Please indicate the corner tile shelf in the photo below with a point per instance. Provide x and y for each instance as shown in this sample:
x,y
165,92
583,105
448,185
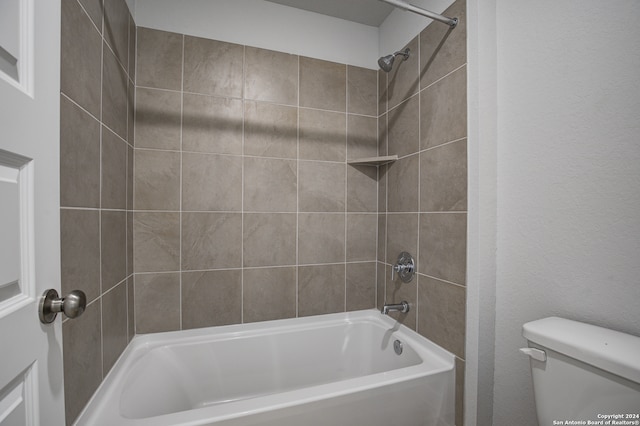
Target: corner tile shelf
x,y
373,161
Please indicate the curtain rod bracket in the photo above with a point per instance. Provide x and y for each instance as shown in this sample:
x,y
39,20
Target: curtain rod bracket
x,y
452,22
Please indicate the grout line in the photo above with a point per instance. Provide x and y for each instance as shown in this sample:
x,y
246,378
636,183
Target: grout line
x,y
442,144
430,212
298,189
292,265
126,71
443,77
181,170
417,258
102,43
241,155
100,123
224,211
386,194
265,213
83,108
128,268
346,178
157,88
258,101
132,211
133,186
244,109
443,280
91,20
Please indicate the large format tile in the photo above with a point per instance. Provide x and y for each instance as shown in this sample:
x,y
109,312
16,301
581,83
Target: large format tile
x,y
157,241
114,325
382,238
362,136
132,49
361,237
213,67
94,9
116,29
211,240
79,157
322,186
114,171
155,302
269,294
401,235
159,59
383,92
114,94
383,134
383,180
362,91
80,251
323,84
402,185
131,312
362,189
129,177
442,313
113,243
361,286
212,124
80,58
211,182
270,185
269,239
443,110
157,119
321,289
270,130
323,135
380,284
443,178
443,49
157,180
211,298
271,76
443,246
321,238
129,243
82,348
131,112
404,128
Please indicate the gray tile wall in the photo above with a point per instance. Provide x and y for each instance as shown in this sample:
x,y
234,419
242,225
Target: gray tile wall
x,y
244,206
96,179
423,196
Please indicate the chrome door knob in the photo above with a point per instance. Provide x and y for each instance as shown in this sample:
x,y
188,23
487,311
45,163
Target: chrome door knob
x,y
50,304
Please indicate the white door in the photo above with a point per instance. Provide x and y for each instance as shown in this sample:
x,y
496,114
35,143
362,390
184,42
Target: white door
x,y
31,377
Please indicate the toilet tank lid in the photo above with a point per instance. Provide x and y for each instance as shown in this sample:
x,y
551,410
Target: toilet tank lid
x,y
609,350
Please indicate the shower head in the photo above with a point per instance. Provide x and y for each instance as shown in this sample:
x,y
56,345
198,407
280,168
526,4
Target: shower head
x,y
386,62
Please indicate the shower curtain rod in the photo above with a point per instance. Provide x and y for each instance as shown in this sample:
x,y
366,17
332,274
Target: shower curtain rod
x,y
452,22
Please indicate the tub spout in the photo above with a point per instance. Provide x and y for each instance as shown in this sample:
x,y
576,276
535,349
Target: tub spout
x,y
399,307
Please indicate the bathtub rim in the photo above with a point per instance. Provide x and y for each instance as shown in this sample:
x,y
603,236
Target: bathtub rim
x,y
141,344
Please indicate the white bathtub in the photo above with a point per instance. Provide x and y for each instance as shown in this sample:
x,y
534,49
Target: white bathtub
x,y
338,369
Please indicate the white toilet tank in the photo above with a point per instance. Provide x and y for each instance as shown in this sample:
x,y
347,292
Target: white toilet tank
x,y
582,373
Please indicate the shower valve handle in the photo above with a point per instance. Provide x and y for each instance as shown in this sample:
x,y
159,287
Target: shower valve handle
x,y
405,267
